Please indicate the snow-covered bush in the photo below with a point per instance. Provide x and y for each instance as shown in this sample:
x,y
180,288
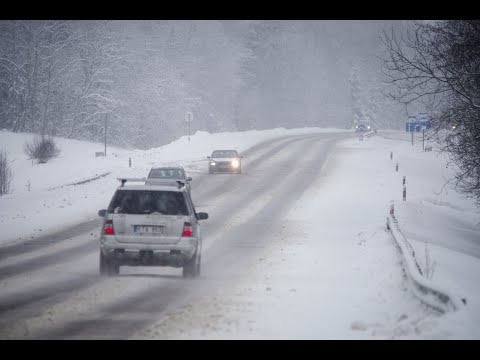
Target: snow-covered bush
x,y
41,148
6,175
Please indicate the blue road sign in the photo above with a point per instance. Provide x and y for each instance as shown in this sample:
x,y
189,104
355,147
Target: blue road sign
x,y
416,125
426,123
413,126
425,120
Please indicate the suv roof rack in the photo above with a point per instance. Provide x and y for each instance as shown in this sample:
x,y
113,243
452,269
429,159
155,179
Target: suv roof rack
x,y
152,181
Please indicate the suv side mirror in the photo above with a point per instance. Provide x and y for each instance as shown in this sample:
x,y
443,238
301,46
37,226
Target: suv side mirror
x,y
189,178
102,213
202,216
208,157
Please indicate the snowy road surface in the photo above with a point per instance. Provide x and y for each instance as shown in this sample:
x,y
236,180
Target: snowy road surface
x,y
349,283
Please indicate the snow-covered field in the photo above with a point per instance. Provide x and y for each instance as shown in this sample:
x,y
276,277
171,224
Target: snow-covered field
x,y
340,226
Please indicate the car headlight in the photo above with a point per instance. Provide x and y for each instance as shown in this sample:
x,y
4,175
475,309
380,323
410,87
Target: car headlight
x,y
368,127
235,163
212,163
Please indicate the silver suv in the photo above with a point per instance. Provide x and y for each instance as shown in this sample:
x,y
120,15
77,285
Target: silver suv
x,y
150,225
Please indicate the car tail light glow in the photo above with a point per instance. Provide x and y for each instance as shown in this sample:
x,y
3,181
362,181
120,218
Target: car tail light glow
x,y
187,229
108,228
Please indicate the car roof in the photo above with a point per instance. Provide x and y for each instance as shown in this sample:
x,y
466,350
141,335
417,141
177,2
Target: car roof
x,y
150,184
167,167
225,151
152,187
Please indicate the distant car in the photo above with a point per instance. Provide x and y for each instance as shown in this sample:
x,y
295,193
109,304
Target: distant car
x,y
150,225
225,161
363,127
171,174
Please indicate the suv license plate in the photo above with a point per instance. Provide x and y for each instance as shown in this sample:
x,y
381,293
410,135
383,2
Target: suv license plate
x,y
148,229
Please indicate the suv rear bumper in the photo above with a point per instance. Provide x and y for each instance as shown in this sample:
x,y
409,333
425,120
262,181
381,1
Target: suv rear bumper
x,y
132,254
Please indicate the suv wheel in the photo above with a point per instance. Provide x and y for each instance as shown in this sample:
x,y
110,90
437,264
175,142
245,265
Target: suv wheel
x,y
191,269
108,267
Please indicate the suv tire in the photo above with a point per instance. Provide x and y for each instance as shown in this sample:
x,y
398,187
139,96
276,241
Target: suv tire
x,y
191,269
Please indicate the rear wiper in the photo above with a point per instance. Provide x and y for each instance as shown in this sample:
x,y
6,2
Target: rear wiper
x,y
148,212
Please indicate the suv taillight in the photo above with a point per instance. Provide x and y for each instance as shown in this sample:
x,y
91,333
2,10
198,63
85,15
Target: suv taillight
x,y
187,229
108,228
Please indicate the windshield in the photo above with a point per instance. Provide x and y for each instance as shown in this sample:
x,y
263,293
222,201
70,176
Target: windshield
x,y
224,154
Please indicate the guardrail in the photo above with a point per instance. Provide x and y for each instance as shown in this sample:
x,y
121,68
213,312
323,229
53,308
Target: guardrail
x,y
426,290
81,182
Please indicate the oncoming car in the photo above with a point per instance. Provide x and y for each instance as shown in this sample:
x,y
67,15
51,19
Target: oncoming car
x,y
225,161
150,225
170,174
363,126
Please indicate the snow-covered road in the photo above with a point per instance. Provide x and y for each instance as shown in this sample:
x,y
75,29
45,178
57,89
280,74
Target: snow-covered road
x,y
53,290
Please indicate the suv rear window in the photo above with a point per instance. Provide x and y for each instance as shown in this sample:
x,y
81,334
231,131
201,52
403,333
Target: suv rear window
x,y
166,173
147,202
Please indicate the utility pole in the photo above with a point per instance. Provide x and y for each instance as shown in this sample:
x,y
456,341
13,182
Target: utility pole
x,y
106,117
413,125
423,144
188,119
